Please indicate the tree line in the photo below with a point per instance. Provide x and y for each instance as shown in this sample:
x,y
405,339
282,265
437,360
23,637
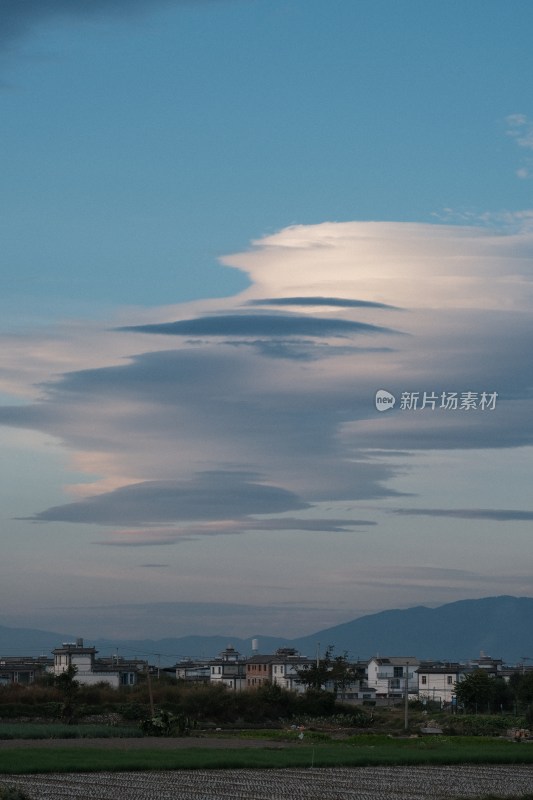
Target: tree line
x,y
481,693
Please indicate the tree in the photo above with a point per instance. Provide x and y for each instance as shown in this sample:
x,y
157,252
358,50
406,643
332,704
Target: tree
x,y
68,686
521,684
342,674
474,692
314,676
333,670
480,692
525,689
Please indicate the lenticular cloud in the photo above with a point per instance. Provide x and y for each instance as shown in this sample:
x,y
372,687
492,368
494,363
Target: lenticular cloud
x,y
274,389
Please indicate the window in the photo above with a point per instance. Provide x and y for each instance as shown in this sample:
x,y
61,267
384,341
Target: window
x,y
424,680
449,680
398,672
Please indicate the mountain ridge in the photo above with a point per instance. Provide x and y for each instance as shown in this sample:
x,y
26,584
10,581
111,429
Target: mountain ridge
x,y
499,626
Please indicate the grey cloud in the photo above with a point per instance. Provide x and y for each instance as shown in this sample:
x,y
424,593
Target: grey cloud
x,y
303,423
441,573
302,349
337,302
295,523
259,325
154,537
38,416
216,403
491,514
17,17
509,425
210,496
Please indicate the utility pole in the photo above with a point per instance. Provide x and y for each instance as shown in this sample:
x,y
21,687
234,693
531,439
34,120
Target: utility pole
x,y
406,708
150,693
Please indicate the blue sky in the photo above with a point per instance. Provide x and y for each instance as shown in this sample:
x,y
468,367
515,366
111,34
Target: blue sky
x,y
225,225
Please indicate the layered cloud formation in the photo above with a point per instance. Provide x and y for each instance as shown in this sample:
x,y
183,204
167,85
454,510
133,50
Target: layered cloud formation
x,y
256,412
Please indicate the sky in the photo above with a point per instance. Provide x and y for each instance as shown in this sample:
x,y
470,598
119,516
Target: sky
x,y
266,311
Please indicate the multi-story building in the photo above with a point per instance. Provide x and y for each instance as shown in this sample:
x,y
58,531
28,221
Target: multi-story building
x,y
90,670
388,675
229,669
281,668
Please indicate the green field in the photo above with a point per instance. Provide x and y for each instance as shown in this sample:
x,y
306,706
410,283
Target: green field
x,y
57,730
358,751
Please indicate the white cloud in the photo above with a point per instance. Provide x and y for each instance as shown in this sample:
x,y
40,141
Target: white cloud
x,y
401,264
520,129
292,410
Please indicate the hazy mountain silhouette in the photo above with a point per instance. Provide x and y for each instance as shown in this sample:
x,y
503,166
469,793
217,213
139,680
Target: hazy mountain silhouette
x,y
499,626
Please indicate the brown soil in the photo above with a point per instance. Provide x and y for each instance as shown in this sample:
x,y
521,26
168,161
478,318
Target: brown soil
x,y
147,743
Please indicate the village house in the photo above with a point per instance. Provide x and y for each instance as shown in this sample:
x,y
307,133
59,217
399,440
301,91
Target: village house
x,y
281,668
23,670
493,666
388,675
229,669
89,670
286,665
192,671
436,681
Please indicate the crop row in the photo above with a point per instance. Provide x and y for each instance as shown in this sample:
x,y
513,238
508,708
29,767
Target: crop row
x,y
366,783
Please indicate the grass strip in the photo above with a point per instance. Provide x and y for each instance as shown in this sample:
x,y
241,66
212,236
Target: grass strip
x,y
42,730
89,759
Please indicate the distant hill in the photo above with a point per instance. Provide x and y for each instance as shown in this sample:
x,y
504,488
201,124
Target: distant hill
x,y
499,626
29,642
168,651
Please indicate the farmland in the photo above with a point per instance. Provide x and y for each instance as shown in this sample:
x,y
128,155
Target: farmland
x,y
366,783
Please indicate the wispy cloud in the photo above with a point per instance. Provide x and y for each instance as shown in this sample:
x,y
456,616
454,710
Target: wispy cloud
x,y
157,536
489,514
520,128
17,17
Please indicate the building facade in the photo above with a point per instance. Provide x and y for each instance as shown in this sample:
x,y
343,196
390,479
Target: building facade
x,y
436,681
229,669
387,676
89,670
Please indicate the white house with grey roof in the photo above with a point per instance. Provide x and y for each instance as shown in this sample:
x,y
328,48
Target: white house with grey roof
x,y
387,675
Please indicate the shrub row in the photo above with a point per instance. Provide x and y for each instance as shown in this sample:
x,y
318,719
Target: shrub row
x,y
203,703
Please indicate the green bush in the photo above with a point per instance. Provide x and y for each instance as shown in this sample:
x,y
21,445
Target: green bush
x,y
316,703
133,711
479,725
44,710
166,724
